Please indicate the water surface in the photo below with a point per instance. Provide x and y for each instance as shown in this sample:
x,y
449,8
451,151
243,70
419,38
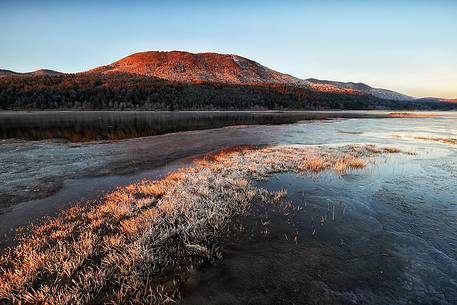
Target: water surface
x,y
78,126
383,235
389,234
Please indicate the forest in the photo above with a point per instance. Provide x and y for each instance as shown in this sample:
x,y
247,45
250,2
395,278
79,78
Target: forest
x,y
119,91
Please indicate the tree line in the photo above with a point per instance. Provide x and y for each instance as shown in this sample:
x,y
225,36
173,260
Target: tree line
x,y
121,91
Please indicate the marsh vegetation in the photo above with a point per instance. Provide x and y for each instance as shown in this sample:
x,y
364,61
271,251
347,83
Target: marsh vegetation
x,y
438,139
138,244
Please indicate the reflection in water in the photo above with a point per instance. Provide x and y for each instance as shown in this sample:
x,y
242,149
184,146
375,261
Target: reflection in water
x,y
95,126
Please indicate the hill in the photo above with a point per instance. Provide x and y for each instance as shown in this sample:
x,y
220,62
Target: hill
x,y
332,86
197,68
229,69
6,73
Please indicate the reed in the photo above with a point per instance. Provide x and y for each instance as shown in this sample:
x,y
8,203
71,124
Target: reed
x,y
412,115
452,141
137,244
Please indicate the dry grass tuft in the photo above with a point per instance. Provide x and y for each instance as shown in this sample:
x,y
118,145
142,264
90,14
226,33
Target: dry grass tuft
x,y
391,150
412,115
350,132
137,243
349,162
436,139
314,164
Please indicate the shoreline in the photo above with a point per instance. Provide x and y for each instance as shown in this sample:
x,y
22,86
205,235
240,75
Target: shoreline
x,y
150,158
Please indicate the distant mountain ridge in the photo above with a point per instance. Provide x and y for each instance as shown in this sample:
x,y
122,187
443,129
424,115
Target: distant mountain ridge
x,y
33,73
437,99
333,86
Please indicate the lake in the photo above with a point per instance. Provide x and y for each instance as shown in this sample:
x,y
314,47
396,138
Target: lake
x,y
104,125
392,237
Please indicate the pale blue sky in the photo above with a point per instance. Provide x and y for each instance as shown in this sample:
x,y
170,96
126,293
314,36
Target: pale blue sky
x,y
407,46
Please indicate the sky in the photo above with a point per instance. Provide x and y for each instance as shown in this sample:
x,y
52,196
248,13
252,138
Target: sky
x,y
406,46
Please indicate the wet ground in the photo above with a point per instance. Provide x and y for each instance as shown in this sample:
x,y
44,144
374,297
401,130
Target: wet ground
x,y
383,235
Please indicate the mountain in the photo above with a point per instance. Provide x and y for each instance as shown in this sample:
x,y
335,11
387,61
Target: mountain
x,y
197,68
229,69
9,73
44,72
350,87
4,73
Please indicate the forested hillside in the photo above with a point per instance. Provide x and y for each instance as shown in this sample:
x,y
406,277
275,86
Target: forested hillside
x,y
120,91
